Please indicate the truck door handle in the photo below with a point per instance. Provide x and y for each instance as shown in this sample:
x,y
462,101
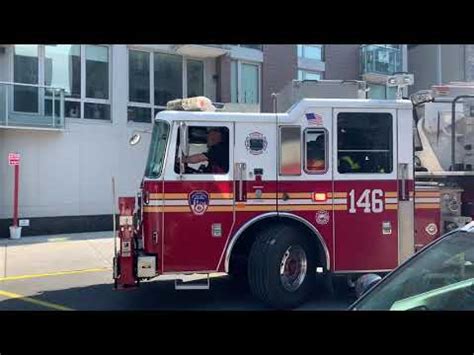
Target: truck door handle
x,y
240,172
403,176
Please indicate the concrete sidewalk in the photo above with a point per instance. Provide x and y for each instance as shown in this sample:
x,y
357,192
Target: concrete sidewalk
x,y
56,253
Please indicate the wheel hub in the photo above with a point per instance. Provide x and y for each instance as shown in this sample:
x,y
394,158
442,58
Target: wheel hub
x,y
293,268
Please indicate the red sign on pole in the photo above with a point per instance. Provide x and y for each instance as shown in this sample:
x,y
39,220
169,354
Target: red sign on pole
x,y
13,159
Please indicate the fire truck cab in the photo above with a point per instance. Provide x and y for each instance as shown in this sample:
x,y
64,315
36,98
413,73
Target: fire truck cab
x,y
327,187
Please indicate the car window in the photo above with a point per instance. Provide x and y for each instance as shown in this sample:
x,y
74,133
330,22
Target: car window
x,y
439,278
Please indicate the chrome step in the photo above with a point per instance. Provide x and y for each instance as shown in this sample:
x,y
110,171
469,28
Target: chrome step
x,y
188,282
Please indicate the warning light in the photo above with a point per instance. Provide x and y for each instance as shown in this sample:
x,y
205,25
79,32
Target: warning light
x,y
319,196
199,103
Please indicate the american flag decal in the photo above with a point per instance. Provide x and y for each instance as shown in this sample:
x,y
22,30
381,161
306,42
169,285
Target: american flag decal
x,y
314,119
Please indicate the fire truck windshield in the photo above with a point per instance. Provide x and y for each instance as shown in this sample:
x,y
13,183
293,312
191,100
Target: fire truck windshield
x,y
156,154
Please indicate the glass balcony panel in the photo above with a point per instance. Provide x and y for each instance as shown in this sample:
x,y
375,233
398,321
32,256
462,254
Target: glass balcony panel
x,y
31,106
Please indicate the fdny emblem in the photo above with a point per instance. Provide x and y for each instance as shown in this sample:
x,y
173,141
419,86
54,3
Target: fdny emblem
x,y
256,143
431,229
198,202
322,217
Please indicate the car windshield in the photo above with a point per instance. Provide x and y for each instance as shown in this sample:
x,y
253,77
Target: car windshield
x,y
439,278
156,154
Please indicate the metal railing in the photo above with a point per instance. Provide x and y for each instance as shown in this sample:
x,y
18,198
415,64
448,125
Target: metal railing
x,y
380,59
31,106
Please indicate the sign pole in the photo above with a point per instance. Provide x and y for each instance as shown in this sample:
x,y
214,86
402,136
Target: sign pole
x,y
14,161
15,195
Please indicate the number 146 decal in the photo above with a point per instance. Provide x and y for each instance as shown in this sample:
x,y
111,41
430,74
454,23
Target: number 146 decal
x,y
370,200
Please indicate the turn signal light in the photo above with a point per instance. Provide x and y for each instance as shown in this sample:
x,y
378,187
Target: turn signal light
x,y
319,196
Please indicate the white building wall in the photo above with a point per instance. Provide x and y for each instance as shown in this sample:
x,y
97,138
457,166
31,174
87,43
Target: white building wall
x,y
69,173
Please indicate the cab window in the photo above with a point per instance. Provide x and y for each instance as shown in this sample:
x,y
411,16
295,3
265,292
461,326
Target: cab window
x,y
315,151
364,143
208,151
290,150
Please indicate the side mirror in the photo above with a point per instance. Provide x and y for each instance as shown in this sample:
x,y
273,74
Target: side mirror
x,y
134,139
183,146
365,283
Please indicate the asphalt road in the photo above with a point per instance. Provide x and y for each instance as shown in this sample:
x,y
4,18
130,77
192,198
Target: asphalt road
x,y
74,273
94,291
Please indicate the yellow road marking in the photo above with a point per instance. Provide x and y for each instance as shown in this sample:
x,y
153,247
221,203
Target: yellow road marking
x,y
34,301
58,273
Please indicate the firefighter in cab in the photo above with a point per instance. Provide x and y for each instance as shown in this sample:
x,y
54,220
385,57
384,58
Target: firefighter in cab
x,y
217,154
316,160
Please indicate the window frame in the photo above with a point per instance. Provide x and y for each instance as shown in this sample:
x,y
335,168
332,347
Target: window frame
x,y
280,173
171,174
366,175
82,100
326,151
239,63
184,77
305,71
302,48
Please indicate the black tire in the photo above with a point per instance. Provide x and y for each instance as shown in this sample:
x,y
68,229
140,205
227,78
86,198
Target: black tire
x,y
238,274
264,264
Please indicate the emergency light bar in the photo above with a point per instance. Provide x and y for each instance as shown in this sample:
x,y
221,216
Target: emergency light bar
x,y
198,103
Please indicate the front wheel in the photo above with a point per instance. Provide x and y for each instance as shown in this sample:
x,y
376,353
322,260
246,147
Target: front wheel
x,y
282,267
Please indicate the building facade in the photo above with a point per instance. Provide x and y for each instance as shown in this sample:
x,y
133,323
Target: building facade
x,y
372,63
440,64
69,110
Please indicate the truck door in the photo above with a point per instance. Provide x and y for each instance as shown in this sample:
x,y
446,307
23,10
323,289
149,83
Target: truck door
x,y
198,204
255,170
365,172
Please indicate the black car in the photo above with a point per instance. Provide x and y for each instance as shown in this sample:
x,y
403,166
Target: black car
x,y
439,277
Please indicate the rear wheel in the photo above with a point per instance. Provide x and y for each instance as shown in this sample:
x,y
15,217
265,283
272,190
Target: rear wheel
x,y
282,267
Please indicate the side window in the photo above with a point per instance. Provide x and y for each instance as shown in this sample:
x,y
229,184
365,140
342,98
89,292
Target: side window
x,y
315,151
290,150
208,151
364,143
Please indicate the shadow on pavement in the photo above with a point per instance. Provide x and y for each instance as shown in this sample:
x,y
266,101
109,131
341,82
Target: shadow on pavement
x,y
161,295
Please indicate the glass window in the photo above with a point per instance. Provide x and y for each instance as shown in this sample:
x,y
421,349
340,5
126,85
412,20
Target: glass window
x,y
156,153
168,77
377,92
308,75
195,77
300,50
139,76
97,72
391,93
233,82
72,109
439,278
364,142
315,149
139,114
62,68
97,111
249,83
25,71
253,46
208,151
310,51
290,151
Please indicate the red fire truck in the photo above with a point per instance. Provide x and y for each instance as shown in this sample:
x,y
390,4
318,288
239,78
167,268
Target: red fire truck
x,y
327,187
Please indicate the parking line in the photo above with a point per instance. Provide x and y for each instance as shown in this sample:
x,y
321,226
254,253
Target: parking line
x,y
34,301
58,273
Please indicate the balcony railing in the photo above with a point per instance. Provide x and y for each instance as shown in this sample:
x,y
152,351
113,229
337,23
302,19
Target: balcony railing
x,y
31,106
379,59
